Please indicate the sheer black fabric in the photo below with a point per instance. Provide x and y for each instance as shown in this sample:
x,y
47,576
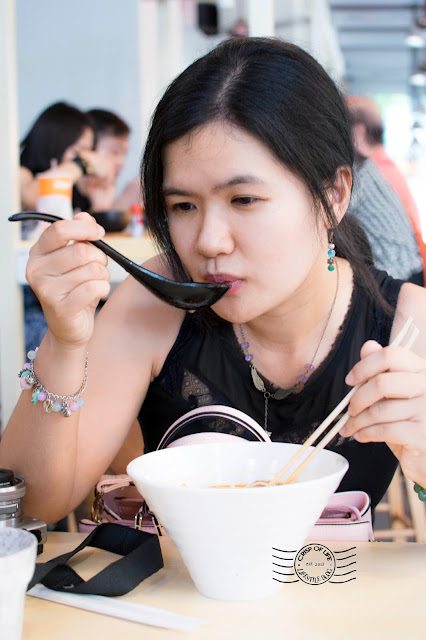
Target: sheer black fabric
x,y
206,366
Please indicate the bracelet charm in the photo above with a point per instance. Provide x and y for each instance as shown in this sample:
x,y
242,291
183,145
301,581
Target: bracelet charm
x,y
51,401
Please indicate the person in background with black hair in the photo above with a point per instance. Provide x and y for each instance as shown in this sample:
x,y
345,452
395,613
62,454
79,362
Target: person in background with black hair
x,y
111,141
386,197
247,176
111,136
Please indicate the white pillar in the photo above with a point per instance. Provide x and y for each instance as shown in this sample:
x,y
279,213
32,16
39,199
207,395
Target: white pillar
x,y
11,324
261,18
149,65
173,60
324,42
161,56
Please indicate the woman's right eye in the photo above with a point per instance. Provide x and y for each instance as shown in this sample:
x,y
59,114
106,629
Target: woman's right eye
x,y
182,206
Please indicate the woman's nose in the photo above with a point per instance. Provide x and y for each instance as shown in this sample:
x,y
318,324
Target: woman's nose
x,y
215,235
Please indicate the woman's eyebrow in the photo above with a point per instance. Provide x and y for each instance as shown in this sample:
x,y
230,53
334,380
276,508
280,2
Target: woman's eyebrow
x,y
243,179
174,191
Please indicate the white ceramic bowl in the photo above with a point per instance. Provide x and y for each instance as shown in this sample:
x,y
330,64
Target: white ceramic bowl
x,y
18,551
226,536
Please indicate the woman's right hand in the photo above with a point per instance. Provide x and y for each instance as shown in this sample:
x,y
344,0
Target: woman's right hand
x,y
69,278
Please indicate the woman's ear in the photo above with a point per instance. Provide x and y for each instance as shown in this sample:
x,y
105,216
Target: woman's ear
x,y
340,192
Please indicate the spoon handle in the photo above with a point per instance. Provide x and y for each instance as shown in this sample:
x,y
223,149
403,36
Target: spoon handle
x,y
128,265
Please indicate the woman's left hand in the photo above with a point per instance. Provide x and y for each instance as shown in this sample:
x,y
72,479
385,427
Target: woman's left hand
x,y
390,405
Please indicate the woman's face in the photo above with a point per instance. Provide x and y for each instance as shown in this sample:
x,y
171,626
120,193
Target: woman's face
x,y
237,215
84,143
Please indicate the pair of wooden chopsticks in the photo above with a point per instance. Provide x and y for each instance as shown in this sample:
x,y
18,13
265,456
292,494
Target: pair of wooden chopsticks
x,y
405,338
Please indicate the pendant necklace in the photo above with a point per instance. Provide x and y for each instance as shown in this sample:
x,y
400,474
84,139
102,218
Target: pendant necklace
x,y
280,394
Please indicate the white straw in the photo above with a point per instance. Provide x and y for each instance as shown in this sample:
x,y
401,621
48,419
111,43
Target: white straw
x,y
116,608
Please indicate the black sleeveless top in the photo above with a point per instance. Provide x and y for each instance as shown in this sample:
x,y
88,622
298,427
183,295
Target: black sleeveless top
x,y
206,366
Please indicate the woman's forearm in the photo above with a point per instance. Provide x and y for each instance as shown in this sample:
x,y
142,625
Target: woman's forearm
x,y
40,446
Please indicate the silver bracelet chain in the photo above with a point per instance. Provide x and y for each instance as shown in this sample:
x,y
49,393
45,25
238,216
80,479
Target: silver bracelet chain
x,y
51,401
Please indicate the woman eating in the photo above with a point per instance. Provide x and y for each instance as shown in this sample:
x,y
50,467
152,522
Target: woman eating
x,y
247,176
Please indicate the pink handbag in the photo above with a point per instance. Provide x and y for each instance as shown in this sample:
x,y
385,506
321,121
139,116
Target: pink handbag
x,y
117,500
347,516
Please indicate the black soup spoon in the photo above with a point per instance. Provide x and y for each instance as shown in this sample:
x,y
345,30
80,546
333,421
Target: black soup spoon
x,y
184,295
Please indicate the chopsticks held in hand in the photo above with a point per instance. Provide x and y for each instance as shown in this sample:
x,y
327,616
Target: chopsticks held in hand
x,y
405,338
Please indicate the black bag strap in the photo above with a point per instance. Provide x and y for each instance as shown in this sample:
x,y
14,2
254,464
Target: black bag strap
x,y
141,558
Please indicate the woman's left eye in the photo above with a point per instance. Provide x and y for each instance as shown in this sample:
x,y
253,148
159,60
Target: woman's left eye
x,y
244,200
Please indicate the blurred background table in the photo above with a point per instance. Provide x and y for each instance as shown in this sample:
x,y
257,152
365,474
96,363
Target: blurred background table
x,y
136,249
386,601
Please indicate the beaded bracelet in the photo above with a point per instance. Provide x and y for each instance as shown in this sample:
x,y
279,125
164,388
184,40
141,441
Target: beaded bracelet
x,y
420,492
51,401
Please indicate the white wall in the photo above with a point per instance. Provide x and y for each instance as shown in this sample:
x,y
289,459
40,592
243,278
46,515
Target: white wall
x,y
11,340
84,52
87,52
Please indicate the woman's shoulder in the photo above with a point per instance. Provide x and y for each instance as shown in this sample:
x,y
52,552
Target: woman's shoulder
x,y
404,296
387,286
383,279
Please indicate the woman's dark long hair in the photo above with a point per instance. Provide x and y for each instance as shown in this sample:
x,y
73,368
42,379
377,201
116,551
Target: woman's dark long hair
x,y
280,94
56,129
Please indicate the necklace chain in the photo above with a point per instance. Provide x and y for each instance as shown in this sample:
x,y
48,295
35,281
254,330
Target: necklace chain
x,y
280,394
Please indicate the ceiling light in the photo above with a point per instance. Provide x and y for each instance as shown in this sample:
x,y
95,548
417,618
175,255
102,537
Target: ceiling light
x,y
417,36
418,79
415,39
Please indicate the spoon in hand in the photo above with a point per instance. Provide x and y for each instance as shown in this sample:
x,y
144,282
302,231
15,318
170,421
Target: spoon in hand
x,y
184,295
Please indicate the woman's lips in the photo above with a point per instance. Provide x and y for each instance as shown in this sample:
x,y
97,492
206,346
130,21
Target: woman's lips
x,y
225,278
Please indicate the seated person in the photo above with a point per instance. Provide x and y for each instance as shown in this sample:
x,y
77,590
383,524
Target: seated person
x,y
381,214
247,182
112,142
368,135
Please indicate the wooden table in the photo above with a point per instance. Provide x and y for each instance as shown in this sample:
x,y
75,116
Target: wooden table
x,y
386,601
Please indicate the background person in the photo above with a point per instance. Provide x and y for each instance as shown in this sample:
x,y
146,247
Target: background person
x,y
368,140
111,141
380,213
111,136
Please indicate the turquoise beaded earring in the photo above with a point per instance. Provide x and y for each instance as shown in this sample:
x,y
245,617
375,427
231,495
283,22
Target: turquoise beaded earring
x,y
420,492
331,254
